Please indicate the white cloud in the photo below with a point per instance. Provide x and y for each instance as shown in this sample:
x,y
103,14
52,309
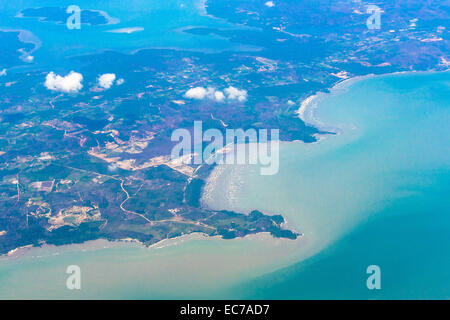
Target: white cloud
x,y
200,93
106,80
219,96
270,4
3,73
120,81
236,94
70,83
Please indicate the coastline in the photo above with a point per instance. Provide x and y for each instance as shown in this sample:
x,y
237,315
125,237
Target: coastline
x,y
308,105
25,36
183,245
101,243
31,251
306,109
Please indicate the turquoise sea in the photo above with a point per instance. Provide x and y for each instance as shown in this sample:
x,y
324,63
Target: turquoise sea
x,y
160,25
375,194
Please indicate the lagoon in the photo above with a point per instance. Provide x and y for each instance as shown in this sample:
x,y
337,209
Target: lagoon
x,y
157,24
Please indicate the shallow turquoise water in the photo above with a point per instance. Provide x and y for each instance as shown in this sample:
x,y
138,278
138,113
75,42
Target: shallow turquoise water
x,y
162,23
379,192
